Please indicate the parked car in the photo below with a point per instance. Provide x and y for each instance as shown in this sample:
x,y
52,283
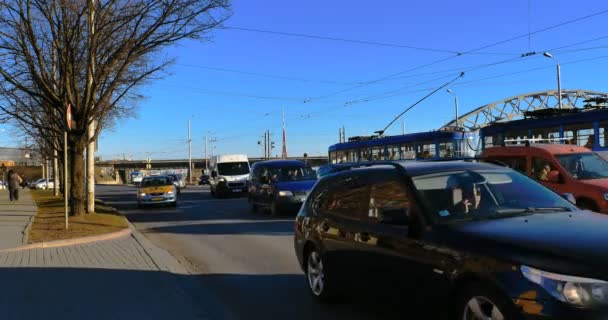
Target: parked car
x,y
486,239
563,168
176,182
279,185
203,180
156,190
41,184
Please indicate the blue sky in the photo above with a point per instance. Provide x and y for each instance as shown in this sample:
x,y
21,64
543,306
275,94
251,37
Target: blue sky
x,y
312,80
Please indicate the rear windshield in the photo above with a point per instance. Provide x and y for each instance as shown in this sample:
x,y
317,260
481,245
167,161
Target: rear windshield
x,y
292,174
156,181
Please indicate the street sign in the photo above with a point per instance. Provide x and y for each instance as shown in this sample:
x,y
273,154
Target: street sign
x,y
69,116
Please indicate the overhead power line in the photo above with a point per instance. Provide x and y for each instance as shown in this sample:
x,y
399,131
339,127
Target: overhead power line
x,y
301,35
458,54
268,75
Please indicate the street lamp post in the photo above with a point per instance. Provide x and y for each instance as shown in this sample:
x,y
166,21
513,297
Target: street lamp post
x,y
455,105
559,84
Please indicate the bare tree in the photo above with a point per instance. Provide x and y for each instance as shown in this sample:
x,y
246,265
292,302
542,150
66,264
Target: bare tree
x,y
50,58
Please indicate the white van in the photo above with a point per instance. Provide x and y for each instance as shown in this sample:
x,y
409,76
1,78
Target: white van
x,y
229,174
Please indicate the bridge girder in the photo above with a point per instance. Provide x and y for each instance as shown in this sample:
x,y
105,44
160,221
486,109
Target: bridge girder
x,y
513,108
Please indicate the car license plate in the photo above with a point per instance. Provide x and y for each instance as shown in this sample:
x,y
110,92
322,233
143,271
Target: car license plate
x,y
158,199
237,190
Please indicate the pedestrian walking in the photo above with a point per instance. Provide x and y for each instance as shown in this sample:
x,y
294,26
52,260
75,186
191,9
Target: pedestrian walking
x,y
14,180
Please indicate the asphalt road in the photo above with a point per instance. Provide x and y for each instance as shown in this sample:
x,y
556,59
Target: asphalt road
x,y
244,263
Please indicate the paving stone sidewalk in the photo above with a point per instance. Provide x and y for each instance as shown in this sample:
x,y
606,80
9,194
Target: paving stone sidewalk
x,y
14,218
124,278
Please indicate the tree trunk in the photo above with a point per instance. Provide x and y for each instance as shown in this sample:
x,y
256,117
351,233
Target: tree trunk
x,y
77,183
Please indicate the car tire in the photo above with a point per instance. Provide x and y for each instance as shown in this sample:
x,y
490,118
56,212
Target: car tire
x,y
320,285
480,301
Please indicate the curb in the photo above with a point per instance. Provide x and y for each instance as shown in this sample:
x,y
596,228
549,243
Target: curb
x,y
68,242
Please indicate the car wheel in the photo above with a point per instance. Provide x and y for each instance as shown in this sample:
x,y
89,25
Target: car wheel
x,y
480,301
316,276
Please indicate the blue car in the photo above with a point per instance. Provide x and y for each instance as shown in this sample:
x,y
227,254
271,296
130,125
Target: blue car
x,y
280,186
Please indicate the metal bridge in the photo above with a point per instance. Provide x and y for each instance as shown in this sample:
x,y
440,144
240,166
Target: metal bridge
x,y
513,108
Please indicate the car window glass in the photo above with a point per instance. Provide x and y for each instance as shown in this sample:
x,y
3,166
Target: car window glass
x,y
541,168
515,163
349,197
387,194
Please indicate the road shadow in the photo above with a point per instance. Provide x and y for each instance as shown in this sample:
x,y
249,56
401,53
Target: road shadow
x,y
287,297
82,293
268,228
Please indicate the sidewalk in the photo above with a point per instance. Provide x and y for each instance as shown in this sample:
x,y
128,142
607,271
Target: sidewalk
x,y
14,218
123,278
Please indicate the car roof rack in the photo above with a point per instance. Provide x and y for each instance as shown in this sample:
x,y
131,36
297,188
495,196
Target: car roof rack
x,y
528,141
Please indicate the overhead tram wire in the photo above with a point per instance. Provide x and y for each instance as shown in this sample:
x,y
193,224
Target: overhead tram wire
x,y
458,54
381,132
280,77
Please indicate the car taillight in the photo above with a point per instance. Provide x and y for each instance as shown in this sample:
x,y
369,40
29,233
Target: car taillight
x,y
298,226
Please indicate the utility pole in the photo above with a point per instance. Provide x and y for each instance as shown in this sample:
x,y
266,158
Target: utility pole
x,y
206,157
189,154
402,126
343,134
91,128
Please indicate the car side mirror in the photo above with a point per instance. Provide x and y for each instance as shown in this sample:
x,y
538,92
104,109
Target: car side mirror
x,y
396,216
554,176
570,197
213,174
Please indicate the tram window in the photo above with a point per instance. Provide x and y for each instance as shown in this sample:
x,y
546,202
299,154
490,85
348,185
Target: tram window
x,y
426,151
488,141
332,157
408,152
445,150
603,134
548,135
352,156
377,152
365,154
392,153
516,137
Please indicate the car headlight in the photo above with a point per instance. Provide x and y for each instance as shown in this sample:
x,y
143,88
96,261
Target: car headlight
x,y
578,291
606,196
169,192
143,194
285,193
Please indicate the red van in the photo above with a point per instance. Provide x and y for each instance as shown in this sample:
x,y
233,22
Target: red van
x,y
564,168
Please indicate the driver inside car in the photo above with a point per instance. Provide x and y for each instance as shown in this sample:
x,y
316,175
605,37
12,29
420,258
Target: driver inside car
x,y
466,194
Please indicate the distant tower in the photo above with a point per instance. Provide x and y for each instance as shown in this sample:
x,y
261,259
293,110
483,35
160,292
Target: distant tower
x,y
284,153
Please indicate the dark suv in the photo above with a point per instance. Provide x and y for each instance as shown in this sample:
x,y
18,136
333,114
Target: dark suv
x,y
493,242
280,185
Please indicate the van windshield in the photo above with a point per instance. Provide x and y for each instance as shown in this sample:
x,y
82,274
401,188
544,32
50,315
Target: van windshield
x,y
292,174
584,166
233,168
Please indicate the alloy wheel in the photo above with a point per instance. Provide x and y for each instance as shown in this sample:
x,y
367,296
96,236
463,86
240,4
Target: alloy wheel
x,y
315,273
481,308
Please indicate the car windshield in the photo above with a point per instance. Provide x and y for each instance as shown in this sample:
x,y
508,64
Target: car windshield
x,y
233,168
584,165
485,194
156,181
292,174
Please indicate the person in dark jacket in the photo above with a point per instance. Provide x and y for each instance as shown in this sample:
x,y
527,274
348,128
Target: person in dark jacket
x,y
14,180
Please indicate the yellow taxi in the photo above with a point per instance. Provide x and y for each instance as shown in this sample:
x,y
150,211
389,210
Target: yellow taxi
x,y
156,190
